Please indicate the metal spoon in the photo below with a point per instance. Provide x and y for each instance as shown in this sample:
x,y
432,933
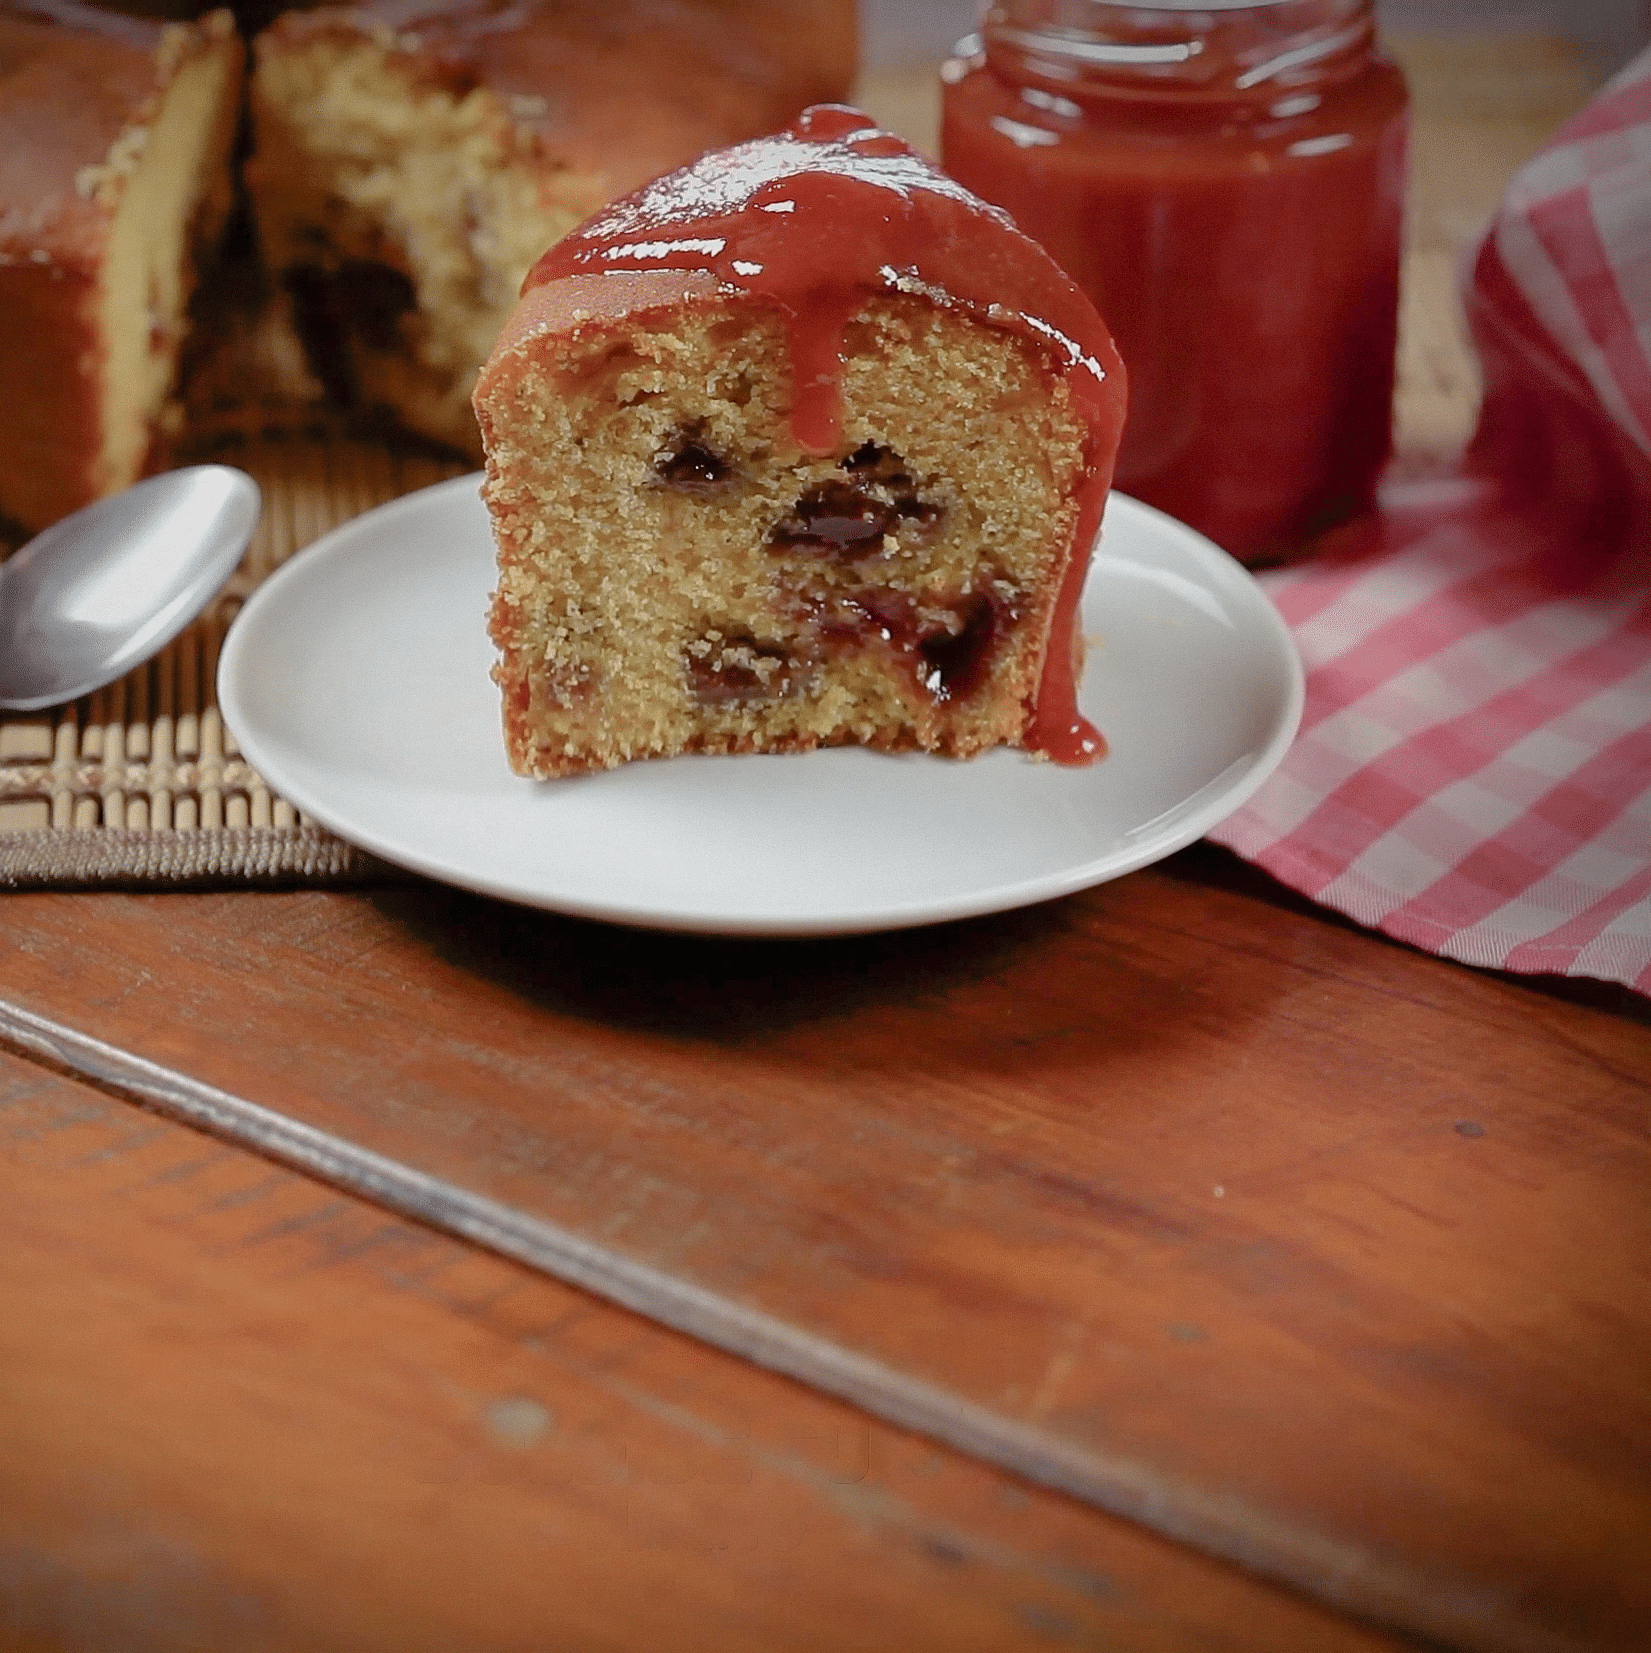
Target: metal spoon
x,y
104,589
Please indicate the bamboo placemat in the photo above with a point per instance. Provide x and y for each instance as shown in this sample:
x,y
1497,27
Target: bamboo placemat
x,y
142,783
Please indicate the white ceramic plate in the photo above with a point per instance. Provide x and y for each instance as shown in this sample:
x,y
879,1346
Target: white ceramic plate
x,y
356,680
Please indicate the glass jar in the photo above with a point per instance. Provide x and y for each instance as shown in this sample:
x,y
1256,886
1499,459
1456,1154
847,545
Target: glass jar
x,y
1226,182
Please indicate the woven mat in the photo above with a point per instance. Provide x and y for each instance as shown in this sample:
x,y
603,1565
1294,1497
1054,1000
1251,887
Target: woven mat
x,y
141,783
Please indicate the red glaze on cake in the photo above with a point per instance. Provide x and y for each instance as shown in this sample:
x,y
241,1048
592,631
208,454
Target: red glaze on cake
x,y
813,220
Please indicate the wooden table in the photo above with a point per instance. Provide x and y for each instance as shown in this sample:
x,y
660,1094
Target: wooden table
x,y
1170,1267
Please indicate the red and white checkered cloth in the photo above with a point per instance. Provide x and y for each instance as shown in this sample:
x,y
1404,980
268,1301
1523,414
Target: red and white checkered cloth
x,y
1473,773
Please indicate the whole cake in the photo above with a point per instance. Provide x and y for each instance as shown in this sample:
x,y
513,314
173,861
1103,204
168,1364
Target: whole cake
x,y
115,141
413,157
800,445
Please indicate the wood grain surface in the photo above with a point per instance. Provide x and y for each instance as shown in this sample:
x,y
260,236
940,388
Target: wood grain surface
x,y
242,1413
1291,1244
1314,1252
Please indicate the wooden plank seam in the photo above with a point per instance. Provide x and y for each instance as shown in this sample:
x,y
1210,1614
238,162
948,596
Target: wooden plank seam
x,y
1460,1611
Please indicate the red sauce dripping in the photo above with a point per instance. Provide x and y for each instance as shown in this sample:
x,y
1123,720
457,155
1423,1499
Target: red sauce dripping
x,y
816,218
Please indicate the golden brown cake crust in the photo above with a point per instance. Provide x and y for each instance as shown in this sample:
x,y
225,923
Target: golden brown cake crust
x,y
79,88
72,79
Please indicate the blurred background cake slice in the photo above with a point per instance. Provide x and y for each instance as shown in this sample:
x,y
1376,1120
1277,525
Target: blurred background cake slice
x,y
413,157
799,446
115,148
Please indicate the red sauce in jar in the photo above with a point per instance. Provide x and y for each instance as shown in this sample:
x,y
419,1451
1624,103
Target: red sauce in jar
x,y
1228,188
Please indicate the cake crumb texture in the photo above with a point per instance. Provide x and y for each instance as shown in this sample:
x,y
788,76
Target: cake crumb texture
x,y
392,210
678,575
412,158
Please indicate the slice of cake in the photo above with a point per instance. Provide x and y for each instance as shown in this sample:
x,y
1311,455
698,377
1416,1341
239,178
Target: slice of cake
x,y
801,445
115,140
413,157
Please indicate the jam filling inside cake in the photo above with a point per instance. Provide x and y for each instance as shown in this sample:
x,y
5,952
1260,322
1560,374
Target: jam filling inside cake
x,y
849,518
357,298
687,462
738,670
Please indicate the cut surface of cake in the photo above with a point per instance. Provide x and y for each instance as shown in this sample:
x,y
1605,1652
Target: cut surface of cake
x,y
413,157
115,147
802,445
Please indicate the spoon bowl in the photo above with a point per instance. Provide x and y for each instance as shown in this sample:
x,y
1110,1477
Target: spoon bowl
x,y
101,591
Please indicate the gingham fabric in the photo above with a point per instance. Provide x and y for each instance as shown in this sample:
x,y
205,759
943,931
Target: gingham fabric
x,y
1473,773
